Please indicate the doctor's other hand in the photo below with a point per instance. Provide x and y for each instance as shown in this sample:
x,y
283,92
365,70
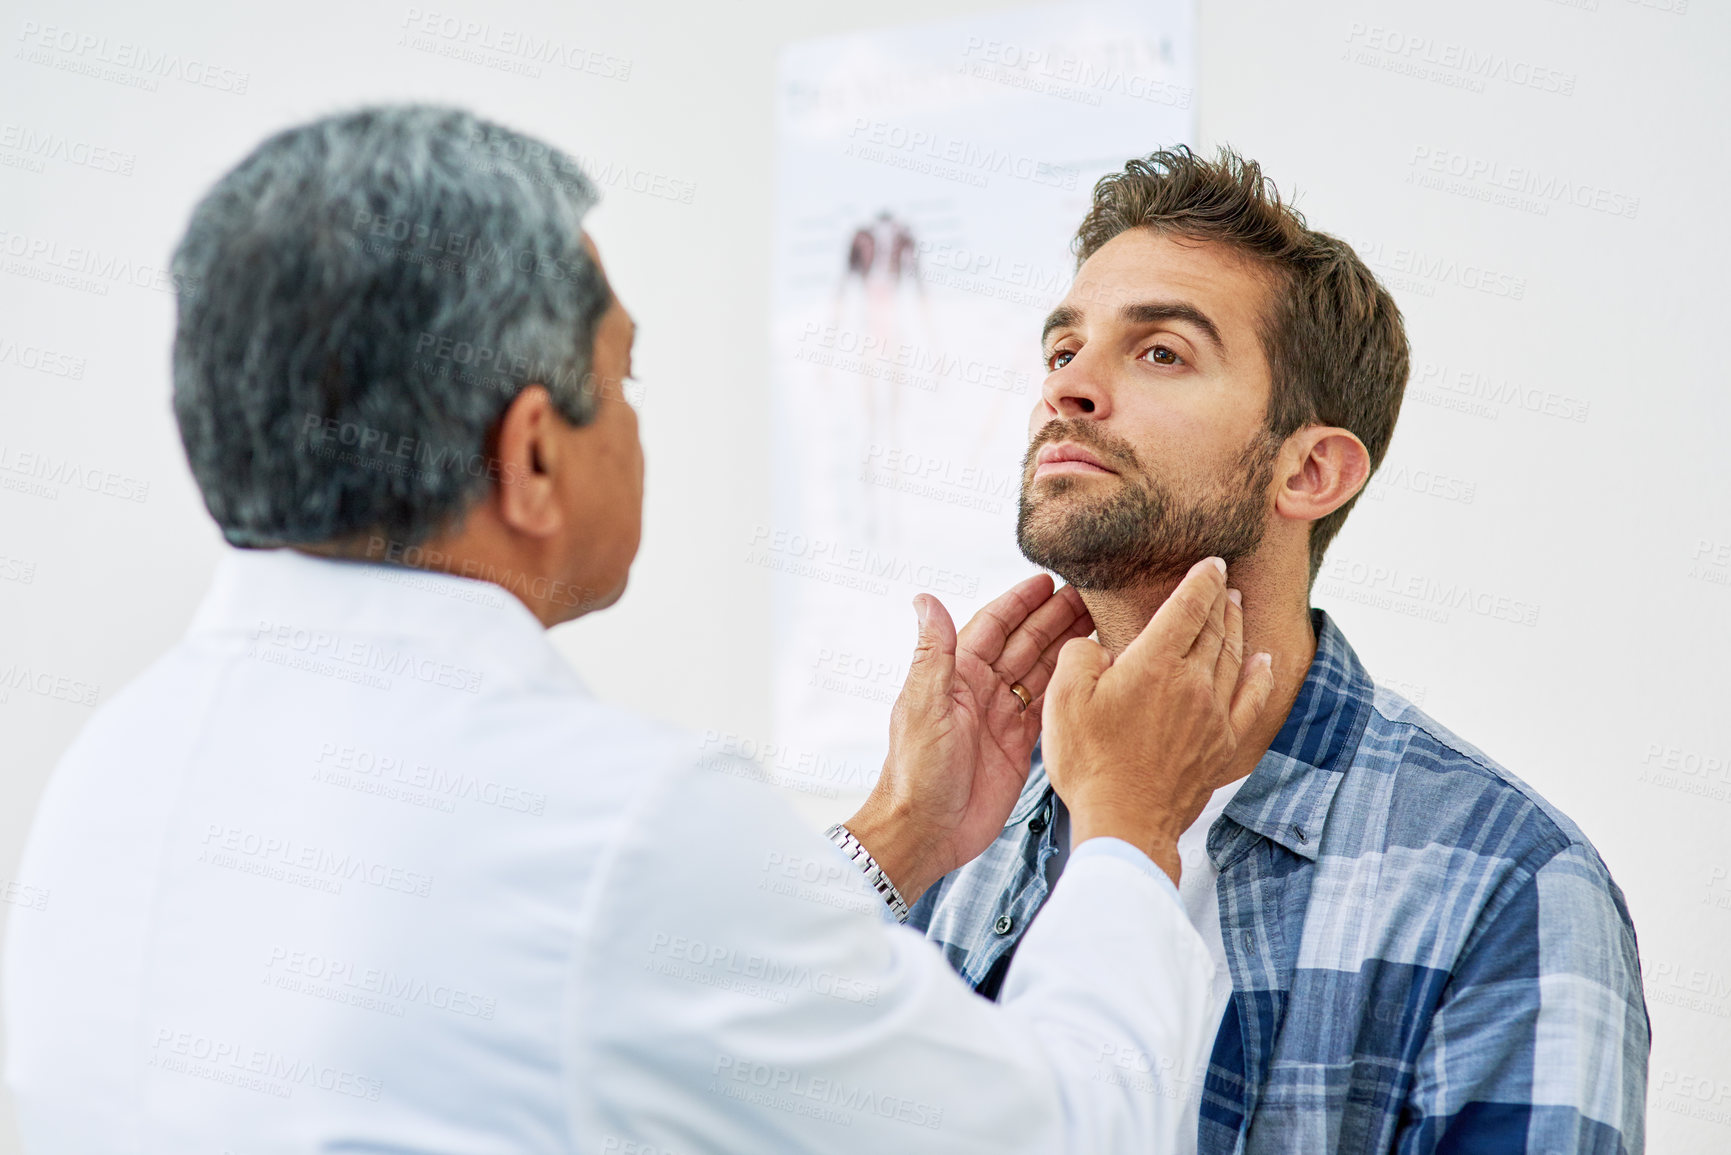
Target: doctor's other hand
x,y
1134,746
963,729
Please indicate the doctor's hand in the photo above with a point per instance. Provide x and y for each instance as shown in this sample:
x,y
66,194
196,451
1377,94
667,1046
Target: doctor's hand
x,y
963,730
1134,746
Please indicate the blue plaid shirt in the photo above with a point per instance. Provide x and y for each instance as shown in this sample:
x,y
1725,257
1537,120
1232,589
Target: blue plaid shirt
x,y
1425,956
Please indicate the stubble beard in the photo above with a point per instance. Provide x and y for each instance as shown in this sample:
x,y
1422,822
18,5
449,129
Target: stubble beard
x,y
1141,531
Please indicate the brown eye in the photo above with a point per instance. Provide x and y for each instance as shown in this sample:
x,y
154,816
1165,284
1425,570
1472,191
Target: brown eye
x,y
1161,355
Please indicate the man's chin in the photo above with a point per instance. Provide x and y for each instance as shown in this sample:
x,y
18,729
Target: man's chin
x,y
1054,551
1061,533
1067,500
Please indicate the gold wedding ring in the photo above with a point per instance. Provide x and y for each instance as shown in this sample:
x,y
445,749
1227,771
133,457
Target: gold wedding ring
x,y
1021,693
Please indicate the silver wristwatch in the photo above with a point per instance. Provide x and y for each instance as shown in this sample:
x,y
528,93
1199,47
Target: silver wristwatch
x,y
875,876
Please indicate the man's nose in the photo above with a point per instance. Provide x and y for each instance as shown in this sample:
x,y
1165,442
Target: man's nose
x,y
1076,390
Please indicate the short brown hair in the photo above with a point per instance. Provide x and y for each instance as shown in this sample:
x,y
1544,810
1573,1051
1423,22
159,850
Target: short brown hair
x,y
1335,344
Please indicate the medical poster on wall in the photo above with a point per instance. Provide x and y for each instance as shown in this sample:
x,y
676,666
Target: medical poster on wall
x,y
929,180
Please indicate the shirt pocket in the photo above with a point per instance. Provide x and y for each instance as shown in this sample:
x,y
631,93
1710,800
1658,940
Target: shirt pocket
x,y
1299,1109
1348,1108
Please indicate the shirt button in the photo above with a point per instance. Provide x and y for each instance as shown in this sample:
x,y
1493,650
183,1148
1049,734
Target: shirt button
x,y
1004,924
1299,830
1038,822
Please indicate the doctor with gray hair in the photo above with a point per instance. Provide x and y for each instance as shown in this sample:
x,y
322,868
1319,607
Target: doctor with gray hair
x,y
360,864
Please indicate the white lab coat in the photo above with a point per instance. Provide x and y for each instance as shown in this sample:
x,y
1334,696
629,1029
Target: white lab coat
x,y
360,866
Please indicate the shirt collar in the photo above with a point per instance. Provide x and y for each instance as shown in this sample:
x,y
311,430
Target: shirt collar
x,y
319,604
1287,797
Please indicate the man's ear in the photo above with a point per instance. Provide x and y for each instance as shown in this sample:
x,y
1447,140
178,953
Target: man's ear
x,y
1324,466
525,455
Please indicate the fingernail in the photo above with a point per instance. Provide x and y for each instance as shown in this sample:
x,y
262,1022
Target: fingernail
x,y
920,611
1266,659
1236,597
1219,564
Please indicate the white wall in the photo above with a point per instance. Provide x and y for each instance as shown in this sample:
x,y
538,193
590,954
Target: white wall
x,y
1612,533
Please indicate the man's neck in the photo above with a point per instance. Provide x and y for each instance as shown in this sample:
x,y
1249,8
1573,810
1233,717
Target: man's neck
x,y
1276,622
